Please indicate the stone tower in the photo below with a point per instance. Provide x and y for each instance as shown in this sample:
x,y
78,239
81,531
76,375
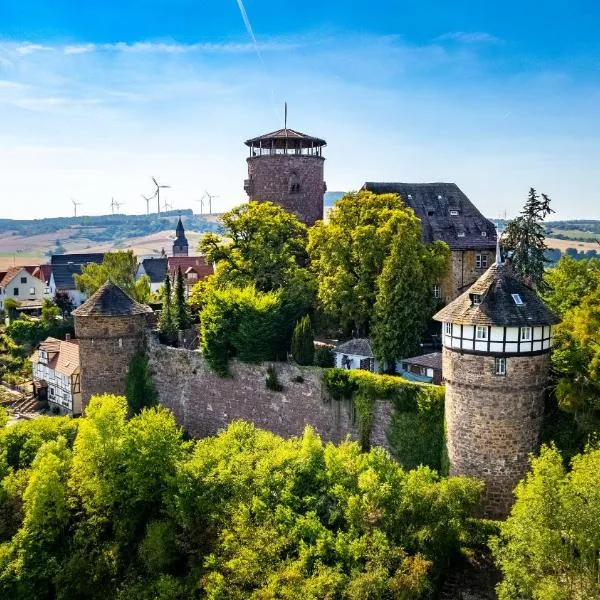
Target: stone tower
x,y
180,245
286,167
110,327
497,338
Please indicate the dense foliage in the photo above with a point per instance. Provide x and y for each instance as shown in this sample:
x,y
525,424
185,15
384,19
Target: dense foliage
x,y
181,311
303,344
128,510
118,267
524,239
549,546
139,387
166,321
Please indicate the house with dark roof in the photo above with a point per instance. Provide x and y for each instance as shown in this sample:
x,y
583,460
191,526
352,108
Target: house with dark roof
x,y
64,266
448,215
356,353
155,269
425,367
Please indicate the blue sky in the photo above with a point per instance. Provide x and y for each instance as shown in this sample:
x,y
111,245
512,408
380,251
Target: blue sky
x,y
95,97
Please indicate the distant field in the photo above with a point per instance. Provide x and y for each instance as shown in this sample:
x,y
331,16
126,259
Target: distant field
x,y
562,245
576,233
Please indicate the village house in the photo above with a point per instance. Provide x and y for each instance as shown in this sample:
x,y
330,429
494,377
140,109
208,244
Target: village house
x,y
20,284
355,354
63,267
56,375
426,368
448,215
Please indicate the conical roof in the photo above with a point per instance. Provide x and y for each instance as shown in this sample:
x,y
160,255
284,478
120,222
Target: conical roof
x,y
110,301
287,134
501,299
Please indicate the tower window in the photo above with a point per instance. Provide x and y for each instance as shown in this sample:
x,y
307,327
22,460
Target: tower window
x,y
481,333
500,366
436,291
448,328
525,334
481,261
294,188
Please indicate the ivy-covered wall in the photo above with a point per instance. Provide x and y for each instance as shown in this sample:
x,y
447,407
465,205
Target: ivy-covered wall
x,y
415,430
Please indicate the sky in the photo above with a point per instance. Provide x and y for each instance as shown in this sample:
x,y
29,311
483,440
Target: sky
x,y
97,97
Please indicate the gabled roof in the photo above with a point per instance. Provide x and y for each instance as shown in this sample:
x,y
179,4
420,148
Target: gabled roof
x,y
12,273
281,135
110,301
77,259
43,272
198,263
445,212
432,360
63,356
64,266
497,306
356,346
155,268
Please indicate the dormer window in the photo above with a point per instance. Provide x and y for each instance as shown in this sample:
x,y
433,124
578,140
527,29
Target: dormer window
x,y
476,299
484,234
517,299
454,213
461,234
410,196
430,213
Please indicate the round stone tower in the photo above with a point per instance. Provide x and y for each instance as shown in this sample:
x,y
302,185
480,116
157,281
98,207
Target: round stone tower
x,y
497,338
110,327
286,167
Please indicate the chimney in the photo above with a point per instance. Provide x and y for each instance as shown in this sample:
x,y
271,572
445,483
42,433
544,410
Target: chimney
x,y
67,337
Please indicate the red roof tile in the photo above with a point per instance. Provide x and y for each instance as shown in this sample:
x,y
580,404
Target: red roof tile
x,y
197,263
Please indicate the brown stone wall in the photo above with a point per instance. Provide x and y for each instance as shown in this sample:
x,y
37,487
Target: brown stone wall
x,y
463,272
204,403
106,345
270,177
493,422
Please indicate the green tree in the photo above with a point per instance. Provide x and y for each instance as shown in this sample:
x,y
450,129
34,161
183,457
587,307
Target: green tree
x,y
181,312
118,267
10,306
50,312
139,387
404,301
262,245
524,239
303,344
64,303
166,320
549,546
348,253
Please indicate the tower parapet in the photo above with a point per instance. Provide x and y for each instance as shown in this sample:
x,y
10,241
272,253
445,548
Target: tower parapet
x,y
110,327
497,338
286,167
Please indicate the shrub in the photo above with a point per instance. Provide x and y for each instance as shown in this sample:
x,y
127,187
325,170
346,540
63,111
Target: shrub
x,y
324,357
303,344
272,381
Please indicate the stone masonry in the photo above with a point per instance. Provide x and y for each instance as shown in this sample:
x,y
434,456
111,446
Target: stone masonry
x,y
272,178
493,423
463,271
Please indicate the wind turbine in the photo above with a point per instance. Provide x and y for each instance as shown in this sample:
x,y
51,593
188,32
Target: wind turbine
x,y
210,198
118,205
201,200
157,192
112,205
75,205
147,199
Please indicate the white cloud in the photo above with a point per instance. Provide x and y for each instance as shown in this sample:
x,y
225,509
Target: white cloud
x,y
469,37
28,48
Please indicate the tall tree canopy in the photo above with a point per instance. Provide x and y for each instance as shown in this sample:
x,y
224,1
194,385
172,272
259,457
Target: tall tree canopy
x,y
120,267
549,546
349,252
525,241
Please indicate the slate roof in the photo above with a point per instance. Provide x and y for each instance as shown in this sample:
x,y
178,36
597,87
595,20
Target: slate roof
x,y
64,266
197,263
110,301
356,346
63,356
155,268
433,203
281,135
432,360
495,288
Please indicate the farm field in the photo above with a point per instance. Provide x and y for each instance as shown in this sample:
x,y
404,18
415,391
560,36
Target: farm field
x,y
562,245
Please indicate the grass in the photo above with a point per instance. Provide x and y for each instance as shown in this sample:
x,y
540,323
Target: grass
x,y
576,234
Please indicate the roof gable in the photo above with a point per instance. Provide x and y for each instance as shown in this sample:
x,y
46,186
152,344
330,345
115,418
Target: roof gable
x,y
110,301
63,355
356,346
14,272
155,268
197,263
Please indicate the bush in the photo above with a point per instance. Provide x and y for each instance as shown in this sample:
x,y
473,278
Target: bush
x,y
324,357
272,381
303,343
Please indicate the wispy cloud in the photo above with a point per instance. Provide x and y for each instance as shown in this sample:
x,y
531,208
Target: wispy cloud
x,y
469,37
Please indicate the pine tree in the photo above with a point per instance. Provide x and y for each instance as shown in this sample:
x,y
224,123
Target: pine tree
x,y
525,241
139,387
166,325
303,345
181,312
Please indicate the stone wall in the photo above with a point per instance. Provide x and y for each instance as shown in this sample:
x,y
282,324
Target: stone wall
x,y
493,422
271,177
204,403
464,272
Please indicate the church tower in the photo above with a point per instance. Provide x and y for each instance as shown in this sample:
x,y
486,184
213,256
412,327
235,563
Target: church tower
x,y
286,167
180,245
497,339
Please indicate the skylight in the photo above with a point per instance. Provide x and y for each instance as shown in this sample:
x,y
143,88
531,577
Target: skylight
x,y
461,234
517,299
454,213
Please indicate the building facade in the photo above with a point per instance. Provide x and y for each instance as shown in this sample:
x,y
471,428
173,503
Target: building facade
x,y
287,167
20,285
447,215
496,338
64,267
110,327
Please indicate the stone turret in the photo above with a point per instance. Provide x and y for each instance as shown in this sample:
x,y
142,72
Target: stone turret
x,y
180,245
110,327
286,167
497,338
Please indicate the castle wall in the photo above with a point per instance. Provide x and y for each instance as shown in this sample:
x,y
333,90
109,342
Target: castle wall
x,y
106,345
493,422
204,403
463,272
270,178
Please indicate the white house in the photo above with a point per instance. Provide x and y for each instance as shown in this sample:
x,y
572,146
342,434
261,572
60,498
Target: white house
x,y
56,375
18,283
355,354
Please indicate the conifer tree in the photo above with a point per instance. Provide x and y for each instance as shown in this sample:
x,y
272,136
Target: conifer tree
x,y
166,325
139,387
303,345
181,312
